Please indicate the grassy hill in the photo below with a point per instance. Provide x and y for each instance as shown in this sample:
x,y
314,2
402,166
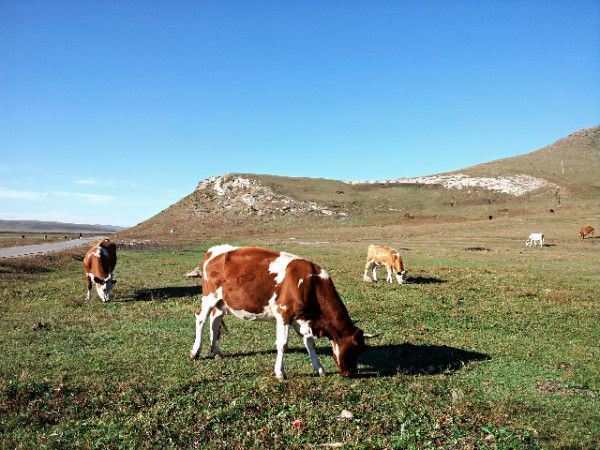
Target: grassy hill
x,y
250,205
572,162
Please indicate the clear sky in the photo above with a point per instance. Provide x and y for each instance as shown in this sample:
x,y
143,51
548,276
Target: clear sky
x,y
110,111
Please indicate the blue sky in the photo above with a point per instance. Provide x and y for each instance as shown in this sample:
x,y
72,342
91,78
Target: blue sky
x,y
110,111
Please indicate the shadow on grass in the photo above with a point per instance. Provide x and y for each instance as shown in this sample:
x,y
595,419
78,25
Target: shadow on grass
x,y
389,360
411,359
165,293
424,280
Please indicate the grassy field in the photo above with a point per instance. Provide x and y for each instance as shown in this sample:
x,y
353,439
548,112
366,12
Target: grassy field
x,y
488,345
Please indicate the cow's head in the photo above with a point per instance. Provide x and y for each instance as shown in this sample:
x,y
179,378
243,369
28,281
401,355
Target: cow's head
x,y
398,268
103,287
346,351
528,243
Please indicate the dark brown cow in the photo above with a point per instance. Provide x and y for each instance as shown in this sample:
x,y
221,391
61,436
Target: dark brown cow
x,y
588,229
253,283
99,263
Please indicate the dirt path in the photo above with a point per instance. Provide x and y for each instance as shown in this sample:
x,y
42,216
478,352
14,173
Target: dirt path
x,y
39,249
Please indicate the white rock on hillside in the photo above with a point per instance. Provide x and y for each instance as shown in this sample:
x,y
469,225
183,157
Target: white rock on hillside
x,y
514,185
234,192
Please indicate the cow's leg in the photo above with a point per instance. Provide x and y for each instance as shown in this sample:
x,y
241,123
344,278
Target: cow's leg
x,y
208,302
389,274
305,331
216,320
89,286
367,268
374,271
282,338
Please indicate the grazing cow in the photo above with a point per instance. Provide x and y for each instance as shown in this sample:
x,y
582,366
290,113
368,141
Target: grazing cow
x,y
588,229
535,238
384,256
254,283
99,263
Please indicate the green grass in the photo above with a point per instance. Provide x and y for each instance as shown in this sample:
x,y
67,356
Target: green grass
x,y
489,349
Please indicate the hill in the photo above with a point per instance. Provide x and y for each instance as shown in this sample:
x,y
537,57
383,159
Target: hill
x,y
564,175
37,226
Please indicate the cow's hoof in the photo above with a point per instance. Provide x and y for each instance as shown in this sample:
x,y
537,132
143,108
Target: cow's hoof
x,y
193,356
281,378
218,356
322,373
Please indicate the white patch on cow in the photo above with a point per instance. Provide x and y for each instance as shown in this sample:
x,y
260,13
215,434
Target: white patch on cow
x,y
336,350
97,252
304,328
214,252
268,313
323,275
279,266
300,281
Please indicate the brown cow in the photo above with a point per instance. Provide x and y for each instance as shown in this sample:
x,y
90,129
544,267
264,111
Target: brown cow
x,y
384,256
99,263
254,283
588,229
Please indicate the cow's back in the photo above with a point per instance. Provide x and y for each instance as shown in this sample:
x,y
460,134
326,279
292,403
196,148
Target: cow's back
x,y
101,258
242,274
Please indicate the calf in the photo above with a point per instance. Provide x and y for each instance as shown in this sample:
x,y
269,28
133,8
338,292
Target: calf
x,y
535,238
588,229
99,263
253,283
384,256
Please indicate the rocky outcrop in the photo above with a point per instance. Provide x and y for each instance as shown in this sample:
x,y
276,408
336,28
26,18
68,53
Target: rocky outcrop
x,y
238,194
515,185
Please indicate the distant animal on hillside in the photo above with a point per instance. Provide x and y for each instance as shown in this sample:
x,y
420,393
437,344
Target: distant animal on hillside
x,y
254,283
588,229
384,256
535,238
99,263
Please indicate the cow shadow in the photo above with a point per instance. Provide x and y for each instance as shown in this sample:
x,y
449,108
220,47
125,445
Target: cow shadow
x,y
411,359
393,359
424,280
165,293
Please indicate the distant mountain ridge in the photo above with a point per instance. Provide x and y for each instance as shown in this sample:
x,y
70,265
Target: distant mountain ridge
x,y
40,226
563,174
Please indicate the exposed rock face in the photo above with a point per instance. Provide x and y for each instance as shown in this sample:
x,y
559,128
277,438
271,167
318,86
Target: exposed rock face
x,y
514,185
235,193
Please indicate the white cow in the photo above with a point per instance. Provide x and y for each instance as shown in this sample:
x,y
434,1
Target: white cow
x,y
535,238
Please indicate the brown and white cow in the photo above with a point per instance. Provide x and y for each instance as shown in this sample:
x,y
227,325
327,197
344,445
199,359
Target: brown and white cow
x,y
99,263
384,256
254,283
588,229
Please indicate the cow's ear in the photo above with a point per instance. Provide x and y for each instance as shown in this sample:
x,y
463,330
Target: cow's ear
x,y
114,281
98,280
